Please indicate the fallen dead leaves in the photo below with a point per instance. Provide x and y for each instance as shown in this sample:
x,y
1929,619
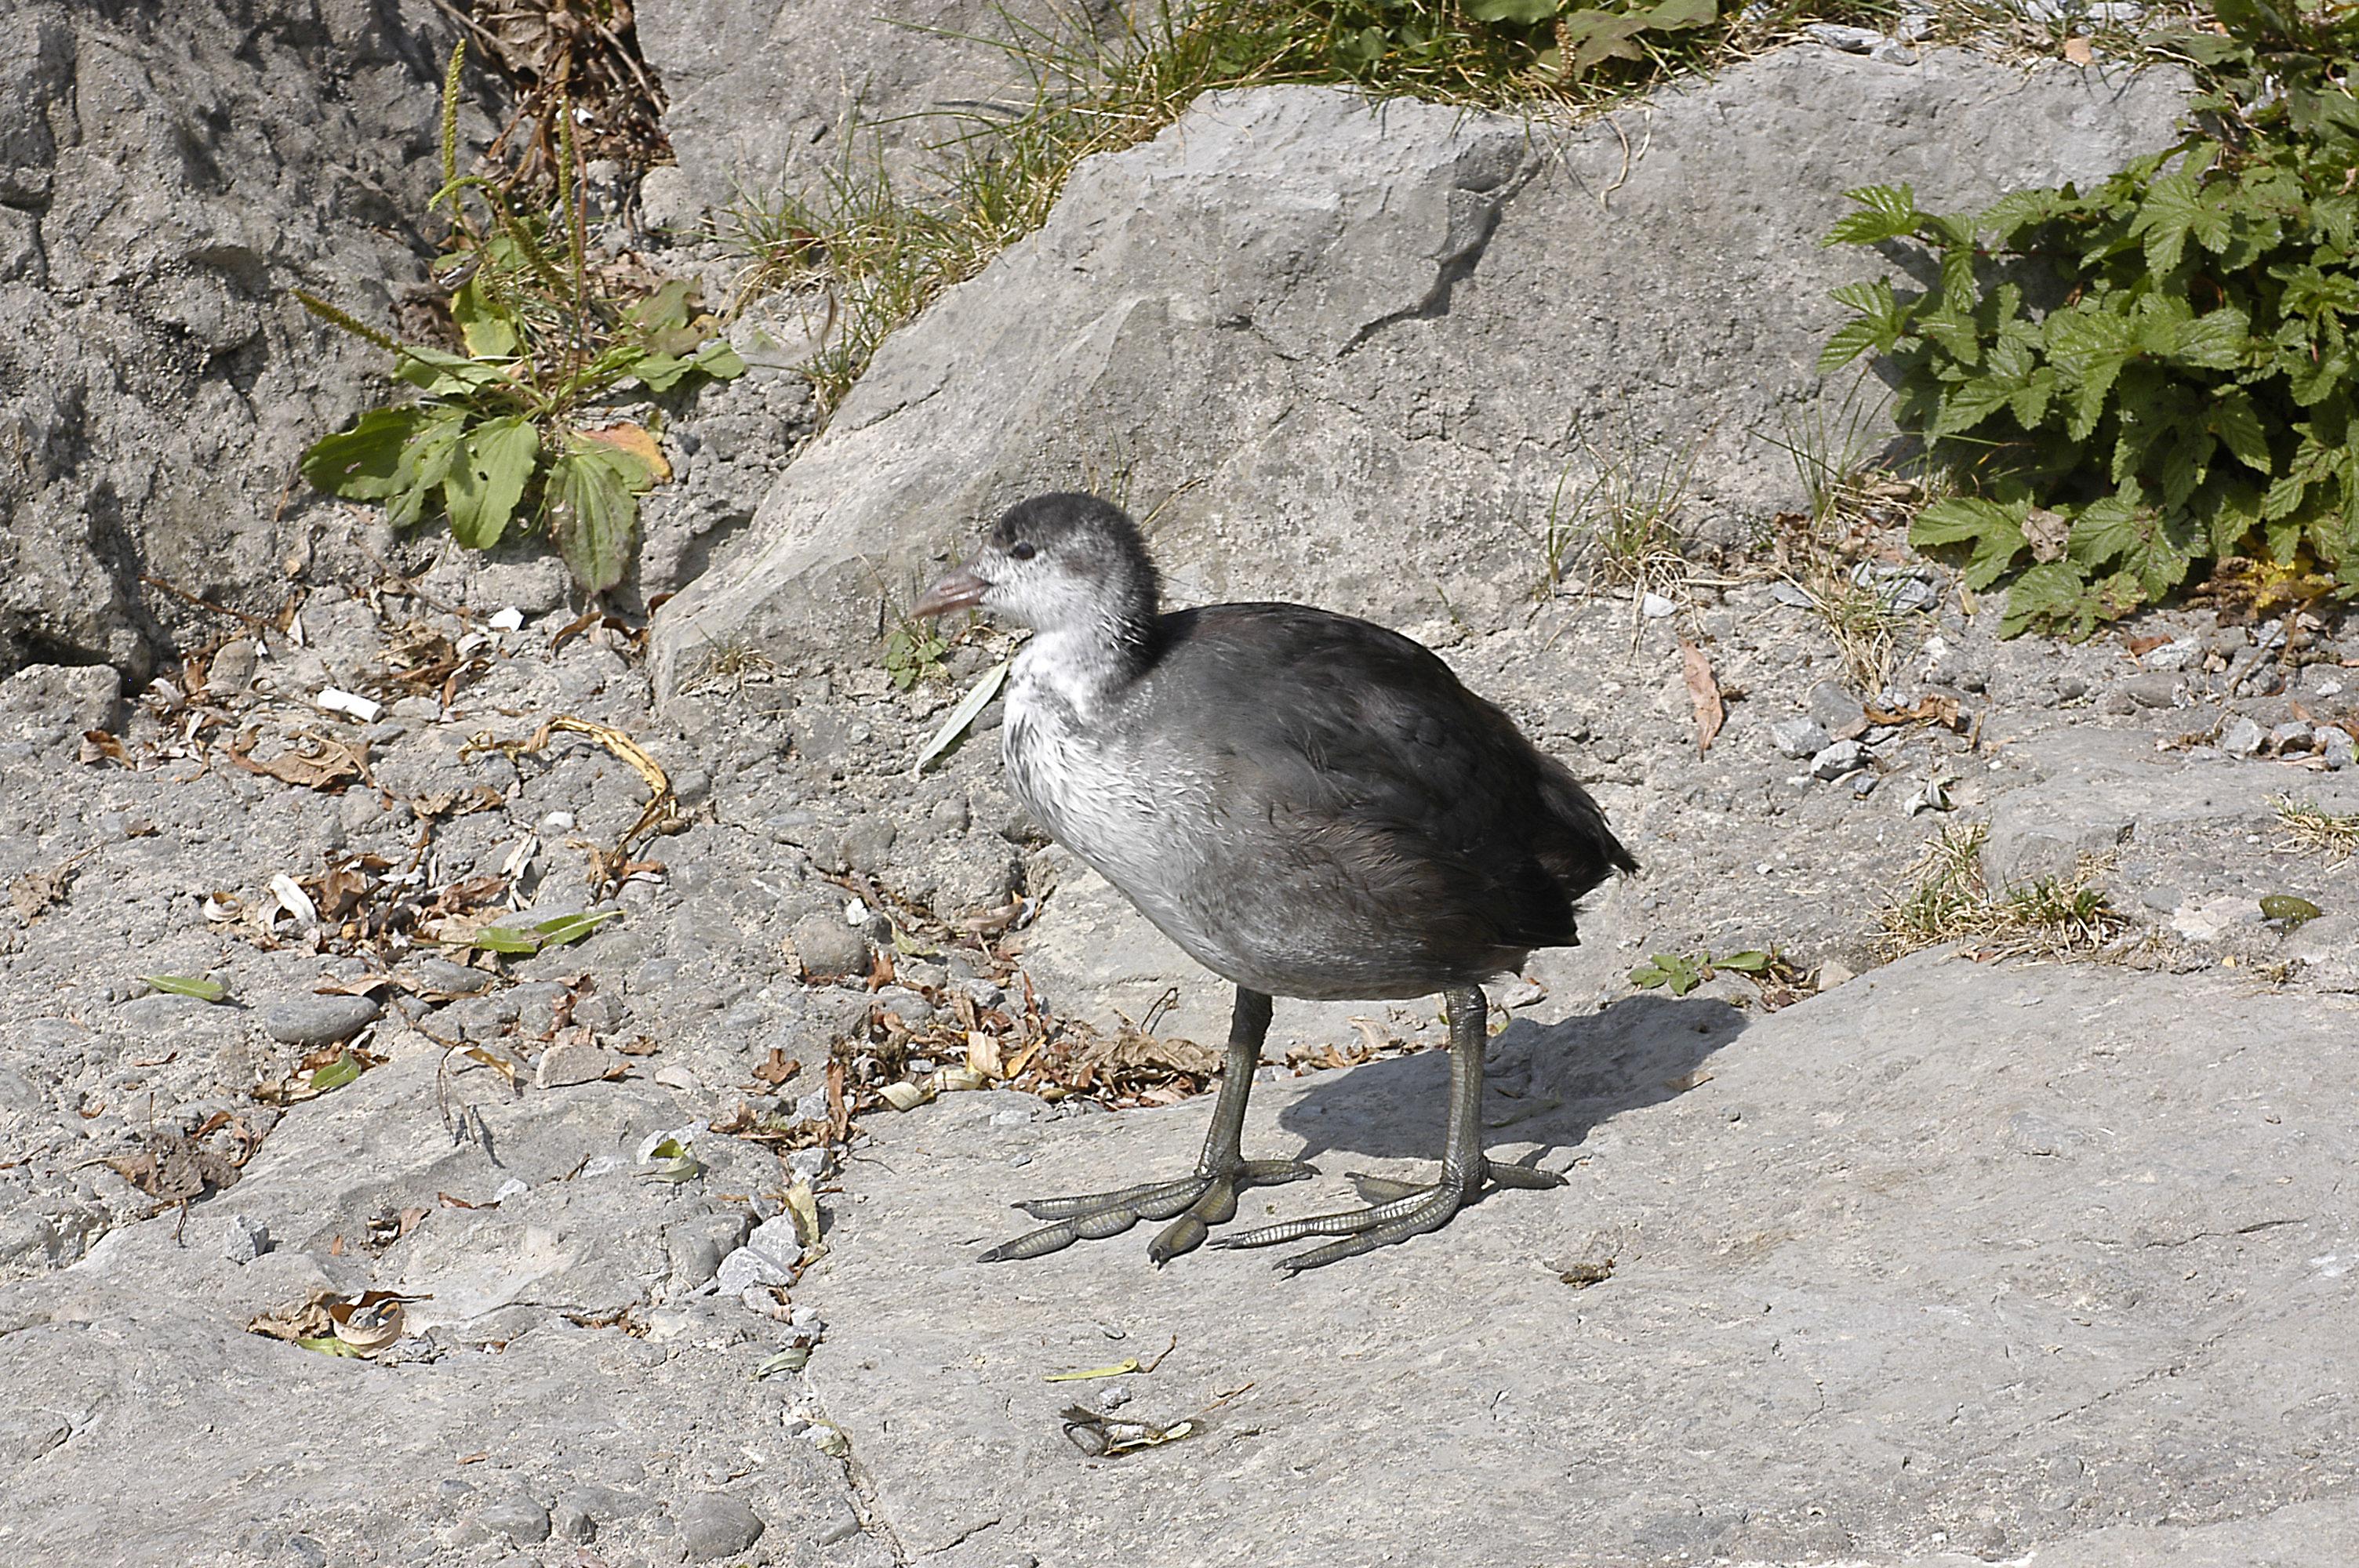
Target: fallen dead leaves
x,y
34,893
176,1168
338,1323
1704,695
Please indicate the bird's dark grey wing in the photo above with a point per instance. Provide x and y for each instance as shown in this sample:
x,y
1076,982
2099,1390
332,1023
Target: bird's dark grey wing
x,y
1368,754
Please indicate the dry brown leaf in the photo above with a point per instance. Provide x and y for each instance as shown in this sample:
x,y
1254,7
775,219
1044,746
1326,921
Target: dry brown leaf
x,y
776,1070
1704,693
633,439
2048,533
315,763
2079,51
101,746
36,891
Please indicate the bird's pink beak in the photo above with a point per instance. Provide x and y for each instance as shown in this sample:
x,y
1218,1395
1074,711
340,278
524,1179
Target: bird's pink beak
x,y
962,590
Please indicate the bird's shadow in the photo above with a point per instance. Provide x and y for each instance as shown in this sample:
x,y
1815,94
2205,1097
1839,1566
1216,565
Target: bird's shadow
x,y
1545,1083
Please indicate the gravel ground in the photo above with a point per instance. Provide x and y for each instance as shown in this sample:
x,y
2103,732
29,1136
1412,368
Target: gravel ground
x,y
782,923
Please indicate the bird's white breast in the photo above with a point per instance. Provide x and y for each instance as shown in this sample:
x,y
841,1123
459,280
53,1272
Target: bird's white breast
x,y
1091,790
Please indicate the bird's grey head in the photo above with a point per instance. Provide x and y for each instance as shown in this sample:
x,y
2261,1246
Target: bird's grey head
x,y
1057,563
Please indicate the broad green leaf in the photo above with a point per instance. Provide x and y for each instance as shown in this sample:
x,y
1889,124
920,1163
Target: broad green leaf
x,y
1677,16
425,464
2148,550
2217,339
1850,341
1992,530
490,332
593,511
1526,12
336,1074
196,986
488,473
661,372
446,375
1970,403
562,930
502,939
718,359
362,461
1752,961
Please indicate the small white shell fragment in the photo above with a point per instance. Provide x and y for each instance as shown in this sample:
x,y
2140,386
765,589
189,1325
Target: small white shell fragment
x,y
471,644
855,914
293,899
557,822
1654,606
508,620
350,703
220,909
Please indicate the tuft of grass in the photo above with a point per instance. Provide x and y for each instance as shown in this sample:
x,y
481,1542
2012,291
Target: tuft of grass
x,y
1621,528
2309,829
1949,900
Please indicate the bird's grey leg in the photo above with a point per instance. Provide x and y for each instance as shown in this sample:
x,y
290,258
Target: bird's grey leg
x,y
1414,1210
1201,1200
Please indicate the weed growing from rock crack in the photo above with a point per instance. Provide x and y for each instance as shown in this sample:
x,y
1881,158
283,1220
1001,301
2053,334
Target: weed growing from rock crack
x,y
1948,900
2308,829
520,422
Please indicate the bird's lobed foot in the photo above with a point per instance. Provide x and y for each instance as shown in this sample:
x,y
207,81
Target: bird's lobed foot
x,y
1201,1201
1407,1210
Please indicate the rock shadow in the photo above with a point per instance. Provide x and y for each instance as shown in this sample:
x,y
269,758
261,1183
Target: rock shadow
x,y
1544,1084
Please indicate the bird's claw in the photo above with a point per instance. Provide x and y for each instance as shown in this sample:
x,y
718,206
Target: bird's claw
x,y
1200,1201
1407,1209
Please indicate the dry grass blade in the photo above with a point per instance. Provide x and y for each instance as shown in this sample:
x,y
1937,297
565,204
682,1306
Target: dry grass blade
x,y
2307,828
1949,900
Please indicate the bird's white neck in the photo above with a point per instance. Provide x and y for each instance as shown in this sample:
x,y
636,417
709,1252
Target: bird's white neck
x,y
1082,666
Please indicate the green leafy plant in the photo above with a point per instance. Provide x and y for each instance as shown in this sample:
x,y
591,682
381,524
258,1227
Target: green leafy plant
x,y
1683,972
2157,373
913,652
523,421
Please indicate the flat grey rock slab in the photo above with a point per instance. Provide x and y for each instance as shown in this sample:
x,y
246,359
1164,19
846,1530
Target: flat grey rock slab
x,y
585,1375
1294,299
1954,1262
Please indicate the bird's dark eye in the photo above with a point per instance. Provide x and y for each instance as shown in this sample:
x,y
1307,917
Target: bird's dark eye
x,y
1023,551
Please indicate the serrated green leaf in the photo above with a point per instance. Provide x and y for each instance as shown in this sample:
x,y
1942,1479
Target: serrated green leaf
x,y
1992,530
2237,423
593,511
1968,403
1850,341
2045,594
196,986
362,461
489,470
1887,212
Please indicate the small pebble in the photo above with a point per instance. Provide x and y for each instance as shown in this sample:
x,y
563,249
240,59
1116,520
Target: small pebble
x,y
244,1239
713,1524
307,1018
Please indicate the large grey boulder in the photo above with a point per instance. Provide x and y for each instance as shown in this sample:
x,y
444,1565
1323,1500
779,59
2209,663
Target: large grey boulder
x,y
166,172
1955,1263
1363,349
763,97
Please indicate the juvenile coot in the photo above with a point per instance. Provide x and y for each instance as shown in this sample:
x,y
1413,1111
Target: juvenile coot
x,y
1310,805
